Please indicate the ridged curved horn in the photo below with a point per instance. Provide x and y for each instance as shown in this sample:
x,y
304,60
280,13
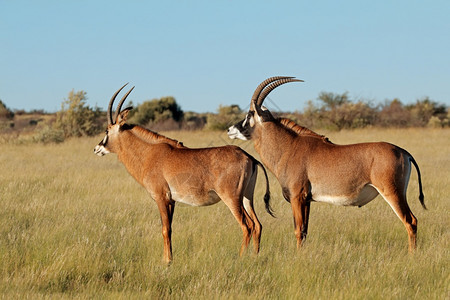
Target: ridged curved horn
x,y
263,84
109,111
119,107
272,86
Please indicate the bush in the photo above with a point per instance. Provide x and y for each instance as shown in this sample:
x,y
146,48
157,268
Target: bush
x,y
76,118
5,113
434,122
423,110
337,111
393,114
156,111
49,135
194,121
227,116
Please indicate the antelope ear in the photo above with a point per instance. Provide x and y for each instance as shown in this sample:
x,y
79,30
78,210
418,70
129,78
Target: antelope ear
x,y
262,114
252,121
258,114
122,117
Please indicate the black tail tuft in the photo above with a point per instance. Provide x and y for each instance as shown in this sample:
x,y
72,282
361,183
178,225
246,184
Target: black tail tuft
x,y
422,200
267,202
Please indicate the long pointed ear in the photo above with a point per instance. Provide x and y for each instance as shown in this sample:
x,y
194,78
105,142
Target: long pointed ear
x,y
262,114
122,117
257,116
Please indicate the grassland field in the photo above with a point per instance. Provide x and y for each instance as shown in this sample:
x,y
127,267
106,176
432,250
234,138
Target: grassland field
x,y
75,225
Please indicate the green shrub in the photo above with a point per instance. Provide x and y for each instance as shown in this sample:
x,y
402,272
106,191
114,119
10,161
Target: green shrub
x,y
49,135
226,116
76,118
156,111
5,113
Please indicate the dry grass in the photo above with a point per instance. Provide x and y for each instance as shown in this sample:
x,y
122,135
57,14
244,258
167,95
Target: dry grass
x,y
76,225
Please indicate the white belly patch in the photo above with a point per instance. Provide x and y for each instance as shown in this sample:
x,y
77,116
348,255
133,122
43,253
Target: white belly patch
x,y
365,195
195,200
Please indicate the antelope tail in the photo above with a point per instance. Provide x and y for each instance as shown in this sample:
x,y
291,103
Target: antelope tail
x,y
421,196
267,194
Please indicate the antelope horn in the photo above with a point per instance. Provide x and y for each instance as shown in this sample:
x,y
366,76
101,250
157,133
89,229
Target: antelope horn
x,y
263,84
272,86
109,111
119,107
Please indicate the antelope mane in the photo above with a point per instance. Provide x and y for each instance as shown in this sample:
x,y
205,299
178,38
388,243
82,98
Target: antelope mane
x,y
300,130
152,137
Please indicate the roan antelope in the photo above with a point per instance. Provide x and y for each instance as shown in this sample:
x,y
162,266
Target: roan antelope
x,y
173,173
311,168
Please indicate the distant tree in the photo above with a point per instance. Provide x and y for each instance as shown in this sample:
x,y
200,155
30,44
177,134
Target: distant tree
x,y
423,110
337,111
393,114
156,111
331,100
76,118
5,112
194,121
310,117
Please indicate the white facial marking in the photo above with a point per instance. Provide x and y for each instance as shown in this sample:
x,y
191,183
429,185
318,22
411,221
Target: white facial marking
x,y
234,133
100,150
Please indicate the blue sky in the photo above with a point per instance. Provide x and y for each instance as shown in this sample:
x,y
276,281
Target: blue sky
x,y
211,53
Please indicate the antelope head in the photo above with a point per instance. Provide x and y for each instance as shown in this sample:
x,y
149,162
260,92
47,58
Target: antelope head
x,y
258,114
108,144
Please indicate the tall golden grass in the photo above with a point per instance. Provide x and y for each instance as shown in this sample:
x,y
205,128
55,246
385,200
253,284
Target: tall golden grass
x,y
76,225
